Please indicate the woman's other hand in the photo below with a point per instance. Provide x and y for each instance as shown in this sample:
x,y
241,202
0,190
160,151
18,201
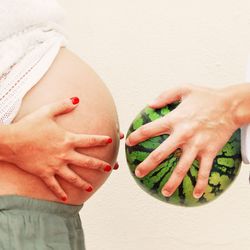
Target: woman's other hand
x,y
39,146
200,125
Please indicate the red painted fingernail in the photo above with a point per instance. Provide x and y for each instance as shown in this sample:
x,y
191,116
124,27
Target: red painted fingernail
x,y
89,189
116,166
64,198
107,168
122,136
74,100
109,140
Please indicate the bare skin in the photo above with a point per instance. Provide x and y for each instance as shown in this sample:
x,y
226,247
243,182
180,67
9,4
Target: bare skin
x,y
95,115
50,147
201,125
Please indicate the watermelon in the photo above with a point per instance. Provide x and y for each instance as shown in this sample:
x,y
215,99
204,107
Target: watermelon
x,y
226,164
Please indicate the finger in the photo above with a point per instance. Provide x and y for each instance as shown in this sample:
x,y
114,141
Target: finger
x,y
70,176
181,169
121,135
203,176
157,127
62,107
55,187
157,156
82,160
87,141
169,96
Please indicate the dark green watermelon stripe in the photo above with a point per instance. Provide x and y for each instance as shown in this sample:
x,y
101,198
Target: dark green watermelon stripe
x,y
225,166
192,178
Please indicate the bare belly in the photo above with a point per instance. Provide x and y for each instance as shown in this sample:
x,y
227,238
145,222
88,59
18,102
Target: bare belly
x,y
96,114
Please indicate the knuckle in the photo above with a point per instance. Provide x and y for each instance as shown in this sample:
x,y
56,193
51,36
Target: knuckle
x,y
92,141
203,176
52,186
180,172
63,157
182,134
143,131
73,179
46,175
89,162
157,156
210,151
187,130
56,169
40,173
81,185
63,105
165,124
196,145
69,140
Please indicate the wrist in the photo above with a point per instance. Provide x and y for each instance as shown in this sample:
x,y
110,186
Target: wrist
x,y
238,97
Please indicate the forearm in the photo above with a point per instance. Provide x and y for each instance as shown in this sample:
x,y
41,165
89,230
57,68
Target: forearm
x,y
239,96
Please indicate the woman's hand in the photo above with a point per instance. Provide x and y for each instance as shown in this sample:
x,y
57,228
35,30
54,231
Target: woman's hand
x,y
200,125
41,147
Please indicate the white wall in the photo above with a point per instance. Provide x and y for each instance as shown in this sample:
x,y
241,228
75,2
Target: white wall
x,y
140,48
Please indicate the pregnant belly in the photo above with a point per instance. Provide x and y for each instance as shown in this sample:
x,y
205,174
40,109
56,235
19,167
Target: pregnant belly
x,y
96,114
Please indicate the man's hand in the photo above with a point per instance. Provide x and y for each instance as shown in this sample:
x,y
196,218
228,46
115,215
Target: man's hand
x,y
200,125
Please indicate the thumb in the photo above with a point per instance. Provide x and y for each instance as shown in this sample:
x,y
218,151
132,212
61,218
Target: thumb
x,y
62,107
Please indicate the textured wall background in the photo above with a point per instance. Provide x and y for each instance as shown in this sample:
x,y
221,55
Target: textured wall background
x,y
140,48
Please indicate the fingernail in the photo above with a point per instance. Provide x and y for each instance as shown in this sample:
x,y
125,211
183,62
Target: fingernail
x,y
138,173
109,140
197,195
75,100
64,198
166,193
122,136
116,166
89,189
107,168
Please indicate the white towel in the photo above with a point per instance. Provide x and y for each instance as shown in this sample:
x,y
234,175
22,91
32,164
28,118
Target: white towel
x,y
31,35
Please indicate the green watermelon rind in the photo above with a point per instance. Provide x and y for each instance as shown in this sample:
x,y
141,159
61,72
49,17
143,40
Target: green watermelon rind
x,y
226,165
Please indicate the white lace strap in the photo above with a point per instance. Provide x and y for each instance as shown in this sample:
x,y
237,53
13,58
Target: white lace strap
x,y
25,75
